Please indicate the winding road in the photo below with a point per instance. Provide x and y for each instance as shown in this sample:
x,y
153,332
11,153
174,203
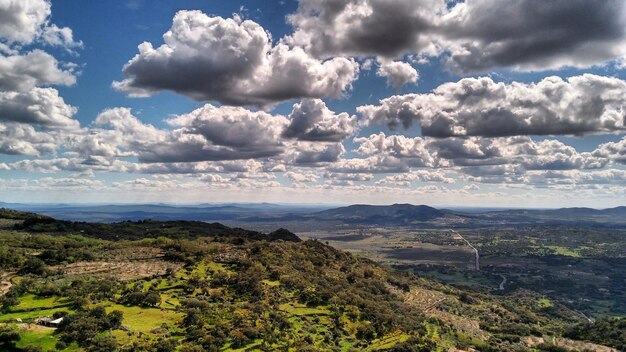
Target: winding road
x,y
472,247
501,287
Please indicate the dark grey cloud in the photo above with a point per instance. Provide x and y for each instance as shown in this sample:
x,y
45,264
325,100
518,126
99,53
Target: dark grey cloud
x,y
363,27
481,107
232,61
533,34
473,35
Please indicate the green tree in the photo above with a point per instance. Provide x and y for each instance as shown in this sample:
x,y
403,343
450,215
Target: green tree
x,y
9,335
34,266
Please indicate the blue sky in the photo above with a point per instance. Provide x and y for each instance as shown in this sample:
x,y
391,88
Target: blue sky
x,y
368,101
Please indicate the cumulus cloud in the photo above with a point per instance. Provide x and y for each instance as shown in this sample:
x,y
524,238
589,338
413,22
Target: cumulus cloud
x,y
595,177
406,179
361,177
33,120
64,37
232,139
473,35
472,155
207,134
370,165
233,131
311,120
20,139
26,21
40,106
315,154
232,61
558,179
481,107
22,19
364,27
533,35
398,73
35,68
301,177
612,150
414,151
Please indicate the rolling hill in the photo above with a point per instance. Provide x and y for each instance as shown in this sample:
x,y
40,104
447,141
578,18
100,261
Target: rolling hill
x,y
226,289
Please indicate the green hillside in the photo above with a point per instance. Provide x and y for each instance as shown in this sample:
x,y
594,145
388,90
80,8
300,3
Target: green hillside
x,y
222,289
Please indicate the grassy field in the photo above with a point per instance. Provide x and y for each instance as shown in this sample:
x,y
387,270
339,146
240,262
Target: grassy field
x,y
143,320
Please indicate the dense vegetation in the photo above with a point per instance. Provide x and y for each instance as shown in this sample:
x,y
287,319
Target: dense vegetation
x,y
583,268
608,331
215,288
134,230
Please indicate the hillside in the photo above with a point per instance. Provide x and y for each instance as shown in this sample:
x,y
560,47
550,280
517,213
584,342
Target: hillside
x,y
380,214
134,230
243,292
322,217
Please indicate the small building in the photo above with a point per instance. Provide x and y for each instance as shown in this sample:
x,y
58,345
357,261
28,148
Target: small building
x,y
49,322
43,321
55,323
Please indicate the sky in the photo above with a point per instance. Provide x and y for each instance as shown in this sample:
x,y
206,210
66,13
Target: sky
x,y
510,103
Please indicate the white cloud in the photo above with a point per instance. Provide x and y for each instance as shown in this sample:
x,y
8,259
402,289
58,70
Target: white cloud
x,y
311,120
369,165
414,150
361,177
481,107
39,106
64,37
26,21
232,61
301,177
229,133
398,73
20,139
406,179
612,150
208,133
314,154
35,68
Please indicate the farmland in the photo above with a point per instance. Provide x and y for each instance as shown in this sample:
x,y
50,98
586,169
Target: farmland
x,y
580,267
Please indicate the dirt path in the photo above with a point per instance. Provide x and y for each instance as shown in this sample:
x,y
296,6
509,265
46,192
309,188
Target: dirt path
x,y
5,282
501,287
477,256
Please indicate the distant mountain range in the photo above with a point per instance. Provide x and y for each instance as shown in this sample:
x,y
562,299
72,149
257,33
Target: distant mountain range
x,y
383,214
359,214
134,212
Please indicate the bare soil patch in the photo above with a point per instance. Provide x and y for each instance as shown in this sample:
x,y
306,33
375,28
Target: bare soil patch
x,y
121,270
5,282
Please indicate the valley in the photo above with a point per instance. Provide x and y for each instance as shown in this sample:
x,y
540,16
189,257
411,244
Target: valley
x,y
195,286
579,267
